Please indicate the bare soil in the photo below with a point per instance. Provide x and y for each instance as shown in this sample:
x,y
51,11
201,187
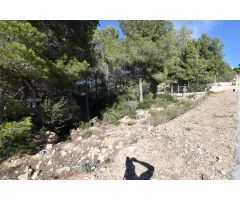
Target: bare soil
x,y
200,144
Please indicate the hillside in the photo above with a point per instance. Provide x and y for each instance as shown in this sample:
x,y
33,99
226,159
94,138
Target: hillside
x,y
199,144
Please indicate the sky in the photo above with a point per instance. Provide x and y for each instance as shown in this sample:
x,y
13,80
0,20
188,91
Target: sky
x,y
228,31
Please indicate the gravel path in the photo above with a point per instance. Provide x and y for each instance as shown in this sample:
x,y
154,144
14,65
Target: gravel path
x,y
236,173
197,145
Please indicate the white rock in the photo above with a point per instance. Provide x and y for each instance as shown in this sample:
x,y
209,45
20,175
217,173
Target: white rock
x,y
82,158
199,151
35,175
223,172
49,162
79,138
131,148
49,147
63,169
23,177
102,157
63,153
94,151
103,150
52,137
119,146
72,132
38,166
42,152
126,120
26,169
142,114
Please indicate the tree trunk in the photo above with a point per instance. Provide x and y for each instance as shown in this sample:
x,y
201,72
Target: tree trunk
x,y
215,78
140,90
30,91
87,102
96,84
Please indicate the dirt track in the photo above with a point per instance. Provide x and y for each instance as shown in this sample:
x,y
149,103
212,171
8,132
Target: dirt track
x,y
197,145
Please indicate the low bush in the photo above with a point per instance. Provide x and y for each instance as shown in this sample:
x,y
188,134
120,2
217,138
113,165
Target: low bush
x,y
120,109
84,125
15,137
87,133
132,93
57,115
147,102
168,97
164,100
197,87
123,107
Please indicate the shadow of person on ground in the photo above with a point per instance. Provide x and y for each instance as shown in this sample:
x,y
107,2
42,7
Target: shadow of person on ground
x,y
130,173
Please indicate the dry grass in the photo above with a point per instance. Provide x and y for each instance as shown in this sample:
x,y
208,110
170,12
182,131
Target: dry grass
x,y
170,112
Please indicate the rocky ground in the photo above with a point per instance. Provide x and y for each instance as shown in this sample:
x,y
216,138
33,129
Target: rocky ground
x,y
199,144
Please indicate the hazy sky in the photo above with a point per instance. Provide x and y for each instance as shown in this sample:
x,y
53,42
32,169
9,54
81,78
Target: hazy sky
x,y
227,31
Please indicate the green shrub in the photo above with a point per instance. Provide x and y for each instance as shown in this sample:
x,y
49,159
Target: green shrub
x,y
197,87
14,136
12,109
147,102
84,125
16,130
87,133
120,109
168,97
164,100
132,93
55,115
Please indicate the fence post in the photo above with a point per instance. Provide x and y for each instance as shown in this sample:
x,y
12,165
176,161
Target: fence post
x,y
178,89
184,90
236,87
171,88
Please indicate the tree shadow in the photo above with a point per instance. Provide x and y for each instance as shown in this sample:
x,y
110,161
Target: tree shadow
x,y
130,173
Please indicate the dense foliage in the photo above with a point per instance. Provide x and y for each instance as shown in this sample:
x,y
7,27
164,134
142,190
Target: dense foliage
x,y
14,135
